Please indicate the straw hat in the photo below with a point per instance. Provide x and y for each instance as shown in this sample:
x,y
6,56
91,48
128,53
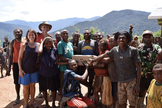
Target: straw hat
x,y
45,23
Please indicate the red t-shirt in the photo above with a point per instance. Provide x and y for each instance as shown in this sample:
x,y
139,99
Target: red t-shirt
x,y
55,43
41,37
16,49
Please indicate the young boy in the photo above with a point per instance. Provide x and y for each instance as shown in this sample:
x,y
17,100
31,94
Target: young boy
x,y
102,76
154,98
71,88
127,62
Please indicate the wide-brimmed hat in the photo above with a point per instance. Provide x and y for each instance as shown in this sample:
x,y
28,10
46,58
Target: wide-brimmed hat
x,y
45,23
147,32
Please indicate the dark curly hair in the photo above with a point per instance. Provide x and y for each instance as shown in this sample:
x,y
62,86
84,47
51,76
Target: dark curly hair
x,y
116,35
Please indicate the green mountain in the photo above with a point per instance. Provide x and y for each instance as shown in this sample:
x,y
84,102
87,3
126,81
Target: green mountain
x,y
7,30
118,21
7,27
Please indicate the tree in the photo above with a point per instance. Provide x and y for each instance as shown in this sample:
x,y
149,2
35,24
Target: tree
x,y
93,30
157,33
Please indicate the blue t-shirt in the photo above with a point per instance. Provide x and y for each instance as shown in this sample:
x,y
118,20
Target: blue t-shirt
x,y
48,66
87,48
66,50
71,86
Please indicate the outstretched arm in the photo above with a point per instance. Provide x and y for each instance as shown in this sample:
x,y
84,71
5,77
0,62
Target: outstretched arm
x,y
99,58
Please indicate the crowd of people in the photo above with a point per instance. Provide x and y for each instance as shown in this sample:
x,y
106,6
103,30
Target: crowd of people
x,y
123,68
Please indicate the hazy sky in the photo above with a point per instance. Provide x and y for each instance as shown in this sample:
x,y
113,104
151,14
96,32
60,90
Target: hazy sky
x,y
51,10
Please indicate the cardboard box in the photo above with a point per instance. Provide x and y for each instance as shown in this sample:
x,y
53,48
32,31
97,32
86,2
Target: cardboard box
x,y
80,58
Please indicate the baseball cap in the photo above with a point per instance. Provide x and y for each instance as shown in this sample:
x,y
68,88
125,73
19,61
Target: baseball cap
x,y
147,32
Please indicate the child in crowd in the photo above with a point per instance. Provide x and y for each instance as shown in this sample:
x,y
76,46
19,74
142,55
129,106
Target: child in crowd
x,y
133,44
2,62
154,98
49,72
102,79
71,89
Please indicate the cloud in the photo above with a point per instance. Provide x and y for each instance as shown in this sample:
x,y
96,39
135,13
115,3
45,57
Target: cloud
x,y
25,12
50,10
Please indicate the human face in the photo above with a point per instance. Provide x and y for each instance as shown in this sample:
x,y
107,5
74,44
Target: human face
x,y
31,36
76,37
135,38
147,39
64,36
108,36
58,37
157,39
6,39
101,47
73,65
134,44
122,40
158,75
99,37
18,34
95,37
87,35
45,28
48,44
112,42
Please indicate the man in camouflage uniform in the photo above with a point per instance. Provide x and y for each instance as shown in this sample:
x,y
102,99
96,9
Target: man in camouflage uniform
x,y
148,54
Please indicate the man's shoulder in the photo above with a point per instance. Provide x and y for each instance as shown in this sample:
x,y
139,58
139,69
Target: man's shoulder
x,y
156,46
60,42
132,48
141,45
69,71
80,42
114,48
12,42
70,40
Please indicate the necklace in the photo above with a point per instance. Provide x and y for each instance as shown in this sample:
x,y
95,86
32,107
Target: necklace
x,y
18,40
31,44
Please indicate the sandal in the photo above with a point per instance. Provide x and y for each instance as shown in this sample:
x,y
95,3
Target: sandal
x,y
34,105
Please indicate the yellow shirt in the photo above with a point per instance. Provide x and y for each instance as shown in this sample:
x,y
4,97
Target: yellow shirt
x,y
154,98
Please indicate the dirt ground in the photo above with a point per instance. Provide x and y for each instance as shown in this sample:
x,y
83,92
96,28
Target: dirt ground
x,y
8,94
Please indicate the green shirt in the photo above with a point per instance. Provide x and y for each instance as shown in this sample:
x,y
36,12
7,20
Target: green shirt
x,y
66,50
